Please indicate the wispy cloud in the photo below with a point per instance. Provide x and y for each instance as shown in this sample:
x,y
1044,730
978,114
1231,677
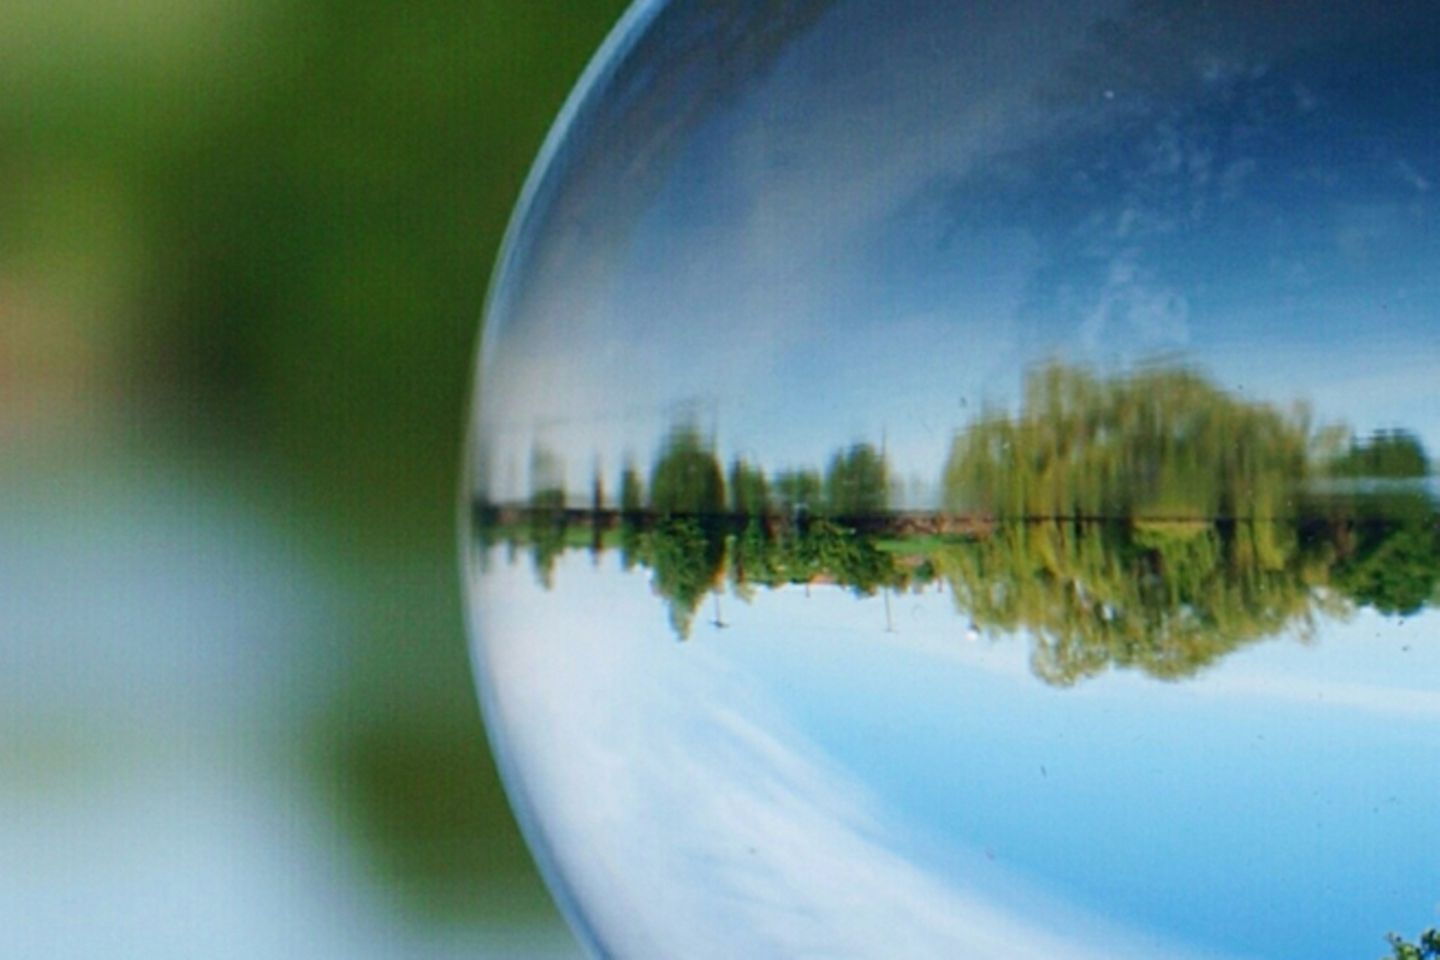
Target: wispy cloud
x,y
1377,700
1133,304
689,818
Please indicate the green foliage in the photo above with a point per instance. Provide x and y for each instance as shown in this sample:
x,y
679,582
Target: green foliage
x,y
1428,947
857,483
798,491
632,514
1208,539
749,490
320,230
632,494
852,560
686,555
687,478
753,557
547,476
1162,443
1393,569
547,531
1167,598
1387,453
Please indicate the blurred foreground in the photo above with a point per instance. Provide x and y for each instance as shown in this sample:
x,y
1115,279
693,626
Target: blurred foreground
x,y
243,248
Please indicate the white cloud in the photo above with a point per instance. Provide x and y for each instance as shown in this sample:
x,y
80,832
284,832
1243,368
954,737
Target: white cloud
x,y
1413,177
688,818
747,261
1385,701
1132,305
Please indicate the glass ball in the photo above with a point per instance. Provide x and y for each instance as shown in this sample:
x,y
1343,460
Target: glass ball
x,y
953,480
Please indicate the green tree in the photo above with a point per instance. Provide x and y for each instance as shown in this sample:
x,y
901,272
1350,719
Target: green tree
x,y
857,483
547,479
547,524
850,559
1161,443
749,490
632,493
1428,947
687,478
1393,568
752,557
597,515
687,556
1165,597
546,518
798,491
1387,454
632,514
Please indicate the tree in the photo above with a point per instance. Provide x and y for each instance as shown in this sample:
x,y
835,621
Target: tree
x,y
798,491
1165,597
687,557
686,479
632,494
1162,443
749,490
857,483
1428,947
597,507
1394,568
1387,453
547,479
632,514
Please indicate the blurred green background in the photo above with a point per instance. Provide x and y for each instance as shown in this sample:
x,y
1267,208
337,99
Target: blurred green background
x,y
243,250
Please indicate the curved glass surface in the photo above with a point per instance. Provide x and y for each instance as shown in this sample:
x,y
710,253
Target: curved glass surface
x,y
954,480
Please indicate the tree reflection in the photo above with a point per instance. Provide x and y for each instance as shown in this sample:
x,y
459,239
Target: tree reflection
x,y
1149,522
1166,597
687,480
547,519
1392,567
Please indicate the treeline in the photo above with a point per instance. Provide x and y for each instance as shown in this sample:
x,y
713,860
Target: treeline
x,y
1162,596
691,555
1387,454
688,516
1161,443
1150,521
687,479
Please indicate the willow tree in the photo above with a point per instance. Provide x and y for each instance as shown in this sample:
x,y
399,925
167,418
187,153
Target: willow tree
x,y
1162,443
1163,597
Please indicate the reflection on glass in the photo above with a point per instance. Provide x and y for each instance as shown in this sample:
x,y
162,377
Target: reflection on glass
x,y
1021,415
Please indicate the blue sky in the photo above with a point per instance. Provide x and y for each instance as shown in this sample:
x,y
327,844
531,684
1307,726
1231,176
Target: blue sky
x,y
878,234
801,778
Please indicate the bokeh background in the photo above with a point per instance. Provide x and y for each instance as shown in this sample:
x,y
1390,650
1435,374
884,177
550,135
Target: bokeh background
x,y
243,250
